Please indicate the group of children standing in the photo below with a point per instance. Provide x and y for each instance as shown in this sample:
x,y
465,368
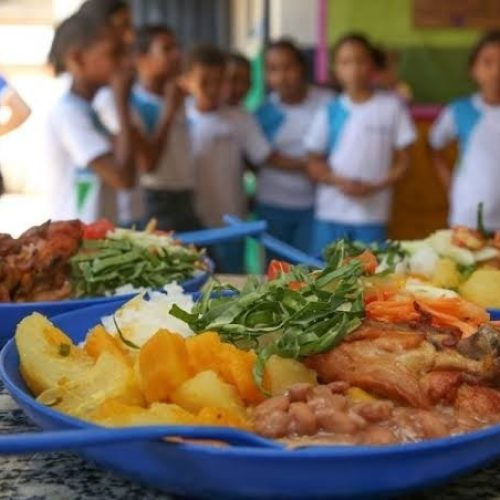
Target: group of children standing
x,y
136,114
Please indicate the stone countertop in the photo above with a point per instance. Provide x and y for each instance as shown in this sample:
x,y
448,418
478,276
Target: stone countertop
x,y
65,476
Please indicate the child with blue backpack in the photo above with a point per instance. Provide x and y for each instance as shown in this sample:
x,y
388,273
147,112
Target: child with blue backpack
x,y
358,149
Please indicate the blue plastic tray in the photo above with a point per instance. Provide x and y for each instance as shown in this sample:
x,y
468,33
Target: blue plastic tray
x,y
244,472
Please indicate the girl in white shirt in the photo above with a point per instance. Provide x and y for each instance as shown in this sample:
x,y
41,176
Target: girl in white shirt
x,y
285,196
359,147
474,122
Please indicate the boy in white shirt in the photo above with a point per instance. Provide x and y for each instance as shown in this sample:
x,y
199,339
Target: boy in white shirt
x,y
221,138
85,165
359,147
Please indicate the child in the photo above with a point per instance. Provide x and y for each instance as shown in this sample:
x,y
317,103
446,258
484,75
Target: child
x,y
158,101
474,122
220,140
359,148
285,194
84,162
238,80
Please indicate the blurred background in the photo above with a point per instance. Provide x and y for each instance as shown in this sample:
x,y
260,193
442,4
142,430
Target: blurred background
x,y
428,41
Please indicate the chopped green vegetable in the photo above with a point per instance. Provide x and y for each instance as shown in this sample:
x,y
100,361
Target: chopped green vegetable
x,y
276,317
135,258
388,254
127,342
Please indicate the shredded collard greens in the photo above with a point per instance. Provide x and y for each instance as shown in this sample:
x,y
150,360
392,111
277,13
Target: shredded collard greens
x,y
102,266
298,314
388,254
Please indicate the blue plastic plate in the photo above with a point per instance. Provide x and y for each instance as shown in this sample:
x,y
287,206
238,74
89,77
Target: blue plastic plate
x,y
12,313
243,472
495,314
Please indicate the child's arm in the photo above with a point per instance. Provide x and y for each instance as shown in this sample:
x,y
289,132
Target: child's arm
x,y
443,168
19,110
151,148
442,133
284,162
117,168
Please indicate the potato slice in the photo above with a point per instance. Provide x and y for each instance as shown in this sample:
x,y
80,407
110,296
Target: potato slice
x,y
113,413
99,340
162,365
446,274
48,357
483,287
110,377
207,389
282,373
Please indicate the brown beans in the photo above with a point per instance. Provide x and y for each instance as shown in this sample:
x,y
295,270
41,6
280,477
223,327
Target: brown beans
x,y
299,392
332,420
430,424
280,403
375,411
338,387
303,420
378,435
274,424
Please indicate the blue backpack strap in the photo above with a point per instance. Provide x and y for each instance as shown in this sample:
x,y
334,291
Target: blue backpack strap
x,y
270,118
337,117
466,117
148,111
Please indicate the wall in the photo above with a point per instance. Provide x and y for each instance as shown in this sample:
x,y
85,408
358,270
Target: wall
x,y
434,61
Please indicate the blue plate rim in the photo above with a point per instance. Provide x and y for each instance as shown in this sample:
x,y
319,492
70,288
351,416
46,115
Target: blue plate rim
x,y
321,451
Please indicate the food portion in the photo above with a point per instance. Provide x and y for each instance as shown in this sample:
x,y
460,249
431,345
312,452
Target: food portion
x,y
337,356
68,259
464,261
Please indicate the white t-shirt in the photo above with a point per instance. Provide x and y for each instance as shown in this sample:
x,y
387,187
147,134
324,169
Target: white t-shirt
x,y
73,138
476,126
220,140
359,140
285,127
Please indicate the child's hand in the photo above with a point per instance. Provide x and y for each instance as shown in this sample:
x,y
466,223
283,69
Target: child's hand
x,y
174,96
356,188
122,82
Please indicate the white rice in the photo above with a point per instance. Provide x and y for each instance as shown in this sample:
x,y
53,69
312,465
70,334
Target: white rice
x,y
140,318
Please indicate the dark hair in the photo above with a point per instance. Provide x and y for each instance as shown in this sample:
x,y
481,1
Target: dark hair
x,y
206,55
240,59
77,31
487,39
145,35
380,58
103,10
292,47
358,38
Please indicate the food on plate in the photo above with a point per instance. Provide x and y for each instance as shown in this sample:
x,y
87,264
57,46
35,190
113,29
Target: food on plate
x,y
462,260
337,356
68,259
36,266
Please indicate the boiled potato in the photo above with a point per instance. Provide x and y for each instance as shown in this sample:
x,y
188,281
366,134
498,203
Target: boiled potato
x,y
446,274
483,287
113,413
110,377
206,389
48,357
281,373
163,365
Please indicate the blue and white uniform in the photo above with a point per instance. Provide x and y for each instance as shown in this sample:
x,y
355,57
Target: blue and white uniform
x,y
476,127
359,140
286,199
